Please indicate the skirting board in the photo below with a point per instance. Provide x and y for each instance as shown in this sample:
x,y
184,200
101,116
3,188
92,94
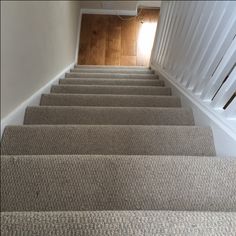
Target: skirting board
x,y
78,36
16,117
224,136
109,12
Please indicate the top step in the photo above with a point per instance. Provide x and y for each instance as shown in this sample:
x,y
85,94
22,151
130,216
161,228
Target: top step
x,y
113,69
103,75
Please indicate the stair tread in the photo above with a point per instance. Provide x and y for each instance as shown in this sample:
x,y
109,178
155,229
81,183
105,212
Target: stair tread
x,y
108,115
112,139
111,89
111,79
110,100
108,75
95,223
136,82
113,67
113,70
107,139
95,182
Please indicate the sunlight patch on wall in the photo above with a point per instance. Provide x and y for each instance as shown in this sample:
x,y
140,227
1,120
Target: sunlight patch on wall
x,y
145,40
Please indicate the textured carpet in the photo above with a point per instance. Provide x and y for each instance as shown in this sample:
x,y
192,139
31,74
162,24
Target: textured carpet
x,y
109,100
108,115
109,151
114,70
108,139
99,81
128,223
111,89
108,75
67,183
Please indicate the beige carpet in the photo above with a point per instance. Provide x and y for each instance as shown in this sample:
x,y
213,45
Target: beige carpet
x,y
110,151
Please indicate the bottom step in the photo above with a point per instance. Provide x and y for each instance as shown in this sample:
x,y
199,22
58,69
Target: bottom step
x,y
126,223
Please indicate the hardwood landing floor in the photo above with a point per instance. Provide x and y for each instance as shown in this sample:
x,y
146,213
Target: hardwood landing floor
x,y
110,40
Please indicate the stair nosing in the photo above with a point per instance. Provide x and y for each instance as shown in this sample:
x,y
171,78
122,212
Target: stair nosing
x,y
113,95
107,86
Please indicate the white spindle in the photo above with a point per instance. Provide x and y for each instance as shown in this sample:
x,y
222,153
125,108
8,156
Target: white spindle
x,y
195,38
182,37
163,29
226,91
224,40
172,37
174,53
211,29
166,31
189,38
196,46
230,111
206,64
158,35
169,32
218,77
203,27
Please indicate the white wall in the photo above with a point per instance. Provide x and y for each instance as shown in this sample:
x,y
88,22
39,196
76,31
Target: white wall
x,y
38,40
118,5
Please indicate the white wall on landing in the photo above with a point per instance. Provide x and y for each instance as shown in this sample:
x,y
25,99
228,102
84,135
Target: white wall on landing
x,y
118,5
38,40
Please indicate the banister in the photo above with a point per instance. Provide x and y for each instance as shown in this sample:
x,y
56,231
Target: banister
x,y
195,45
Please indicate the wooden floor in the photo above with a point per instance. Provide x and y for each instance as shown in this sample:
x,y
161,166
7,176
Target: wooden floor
x,y
110,40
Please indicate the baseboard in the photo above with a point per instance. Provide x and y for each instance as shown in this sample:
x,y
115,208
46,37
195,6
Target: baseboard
x,y
16,117
109,12
78,37
224,134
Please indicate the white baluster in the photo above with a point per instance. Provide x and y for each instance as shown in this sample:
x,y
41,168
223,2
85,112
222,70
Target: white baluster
x,y
224,67
218,14
230,111
226,91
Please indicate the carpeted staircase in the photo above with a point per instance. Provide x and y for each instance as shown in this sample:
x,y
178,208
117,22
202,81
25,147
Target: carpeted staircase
x,y
110,152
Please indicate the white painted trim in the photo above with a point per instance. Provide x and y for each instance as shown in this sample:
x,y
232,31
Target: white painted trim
x,y
109,12
149,4
224,134
78,36
16,117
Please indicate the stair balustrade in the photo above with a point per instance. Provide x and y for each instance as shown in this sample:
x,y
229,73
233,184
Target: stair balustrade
x,y
195,47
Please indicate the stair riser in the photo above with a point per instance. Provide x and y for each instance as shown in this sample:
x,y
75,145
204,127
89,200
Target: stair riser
x,y
79,183
105,140
131,82
98,89
109,100
114,116
113,71
108,67
107,75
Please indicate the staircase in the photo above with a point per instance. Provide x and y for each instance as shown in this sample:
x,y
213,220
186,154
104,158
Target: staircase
x,y
111,152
